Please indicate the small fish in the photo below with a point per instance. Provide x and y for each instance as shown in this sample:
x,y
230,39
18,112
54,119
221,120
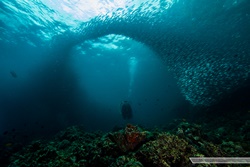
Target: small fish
x,y
13,74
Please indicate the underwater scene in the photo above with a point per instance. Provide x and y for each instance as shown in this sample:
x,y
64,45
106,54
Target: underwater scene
x,y
124,83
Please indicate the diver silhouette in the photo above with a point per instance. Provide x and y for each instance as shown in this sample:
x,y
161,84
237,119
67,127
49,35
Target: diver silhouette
x,y
126,110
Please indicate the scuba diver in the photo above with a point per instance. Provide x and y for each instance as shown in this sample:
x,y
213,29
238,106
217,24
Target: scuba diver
x,y
126,110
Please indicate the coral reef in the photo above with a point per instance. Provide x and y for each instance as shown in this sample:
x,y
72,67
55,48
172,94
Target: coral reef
x,y
130,138
130,147
166,150
134,146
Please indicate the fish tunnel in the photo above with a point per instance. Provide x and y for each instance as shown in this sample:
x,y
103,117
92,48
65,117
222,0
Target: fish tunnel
x,y
208,59
205,59
177,63
195,46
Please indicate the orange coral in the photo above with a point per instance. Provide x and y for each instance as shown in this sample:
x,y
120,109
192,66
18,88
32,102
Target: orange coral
x,y
129,138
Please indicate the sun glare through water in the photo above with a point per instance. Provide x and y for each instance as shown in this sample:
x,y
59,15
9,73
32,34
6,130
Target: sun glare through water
x,y
84,10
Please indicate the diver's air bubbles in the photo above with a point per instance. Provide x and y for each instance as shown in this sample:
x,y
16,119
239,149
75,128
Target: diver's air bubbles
x,y
132,69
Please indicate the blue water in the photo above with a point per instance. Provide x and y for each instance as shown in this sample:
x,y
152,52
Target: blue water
x,y
73,62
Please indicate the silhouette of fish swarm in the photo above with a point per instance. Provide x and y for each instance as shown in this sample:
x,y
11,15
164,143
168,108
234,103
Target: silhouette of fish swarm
x,y
207,50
